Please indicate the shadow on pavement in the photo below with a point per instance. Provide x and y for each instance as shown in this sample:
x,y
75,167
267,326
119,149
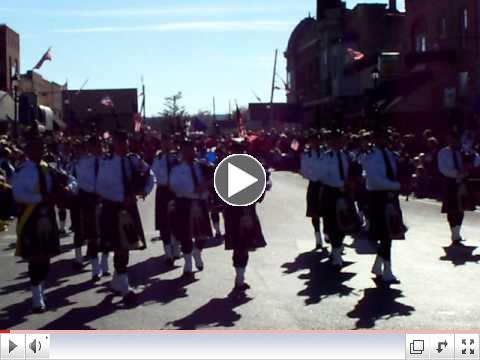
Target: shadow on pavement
x,y
459,255
379,303
362,245
78,318
322,280
165,291
140,273
215,313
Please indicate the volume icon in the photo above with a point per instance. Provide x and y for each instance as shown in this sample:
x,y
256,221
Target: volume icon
x,y
35,346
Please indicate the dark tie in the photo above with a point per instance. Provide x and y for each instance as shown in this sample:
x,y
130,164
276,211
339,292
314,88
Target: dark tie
x,y
388,165
125,178
341,170
455,160
167,160
42,182
194,176
96,167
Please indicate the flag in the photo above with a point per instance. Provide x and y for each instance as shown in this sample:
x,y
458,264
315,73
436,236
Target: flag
x,y
46,57
107,102
137,122
295,145
354,55
242,131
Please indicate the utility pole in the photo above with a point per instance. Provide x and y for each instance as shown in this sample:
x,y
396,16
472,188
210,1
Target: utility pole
x,y
273,87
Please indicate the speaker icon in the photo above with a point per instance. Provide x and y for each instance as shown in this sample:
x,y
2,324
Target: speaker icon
x,y
35,346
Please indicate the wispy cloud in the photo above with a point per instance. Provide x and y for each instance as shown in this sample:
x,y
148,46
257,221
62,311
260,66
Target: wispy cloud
x,y
158,11
188,26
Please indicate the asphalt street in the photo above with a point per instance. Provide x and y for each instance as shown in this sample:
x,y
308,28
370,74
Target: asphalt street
x,y
292,287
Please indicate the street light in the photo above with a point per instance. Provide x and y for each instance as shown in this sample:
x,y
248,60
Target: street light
x,y
375,78
15,83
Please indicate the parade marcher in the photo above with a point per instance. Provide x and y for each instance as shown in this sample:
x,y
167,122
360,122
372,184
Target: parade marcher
x,y
34,187
309,169
75,206
192,221
86,170
381,170
165,200
334,172
121,178
243,234
456,199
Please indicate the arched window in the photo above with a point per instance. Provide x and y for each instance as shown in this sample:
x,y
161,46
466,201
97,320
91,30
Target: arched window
x,y
419,36
465,20
442,28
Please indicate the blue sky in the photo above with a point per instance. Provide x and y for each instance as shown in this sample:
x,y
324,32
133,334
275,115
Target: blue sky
x,y
204,48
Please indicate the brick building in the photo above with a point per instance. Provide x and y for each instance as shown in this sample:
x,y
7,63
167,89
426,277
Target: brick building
x,y
323,80
442,40
9,57
83,110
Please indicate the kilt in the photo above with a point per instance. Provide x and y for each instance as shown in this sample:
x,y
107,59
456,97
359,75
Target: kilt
x,y
182,228
239,237
450,203
314,199
163,196
88,209
109,225
32,241
377,207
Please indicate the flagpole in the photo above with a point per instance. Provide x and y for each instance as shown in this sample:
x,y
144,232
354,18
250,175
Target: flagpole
x,y
273,86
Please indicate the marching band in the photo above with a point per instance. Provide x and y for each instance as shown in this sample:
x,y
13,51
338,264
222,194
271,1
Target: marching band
x,y
100,184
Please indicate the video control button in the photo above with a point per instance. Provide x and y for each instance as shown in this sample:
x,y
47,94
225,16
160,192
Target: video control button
x,y
37,346
466,347
417,346
240,180
13,346
442,346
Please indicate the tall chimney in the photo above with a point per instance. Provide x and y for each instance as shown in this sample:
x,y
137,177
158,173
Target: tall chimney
x,y
393,6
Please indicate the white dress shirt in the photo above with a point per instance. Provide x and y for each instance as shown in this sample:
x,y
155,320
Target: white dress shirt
x,y
330,170
376,171
26,186
310,165
110,181
446,163
85,171
161,170
182,183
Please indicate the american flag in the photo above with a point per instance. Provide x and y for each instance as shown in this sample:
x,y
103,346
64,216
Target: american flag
x,y
137,122
355,55
107,102
46,57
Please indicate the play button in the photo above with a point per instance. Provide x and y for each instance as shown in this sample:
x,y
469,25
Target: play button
x,y
240,180
11,346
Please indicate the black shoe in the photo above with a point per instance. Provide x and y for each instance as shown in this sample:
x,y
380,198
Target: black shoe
x,y
95,278
130,300
169,262
39,310
188,274
77,266
241,287
107,273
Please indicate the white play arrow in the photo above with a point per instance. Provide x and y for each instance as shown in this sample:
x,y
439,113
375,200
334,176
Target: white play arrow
x,y
238,180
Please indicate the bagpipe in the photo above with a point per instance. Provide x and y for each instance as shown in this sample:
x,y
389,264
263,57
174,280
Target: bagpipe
x,y
139,176
64,196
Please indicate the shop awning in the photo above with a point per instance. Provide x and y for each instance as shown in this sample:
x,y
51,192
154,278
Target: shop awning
x,y
7,107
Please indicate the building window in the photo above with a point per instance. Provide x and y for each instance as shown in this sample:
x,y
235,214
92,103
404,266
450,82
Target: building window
x,y
421,43
463,82
442,28
465,20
